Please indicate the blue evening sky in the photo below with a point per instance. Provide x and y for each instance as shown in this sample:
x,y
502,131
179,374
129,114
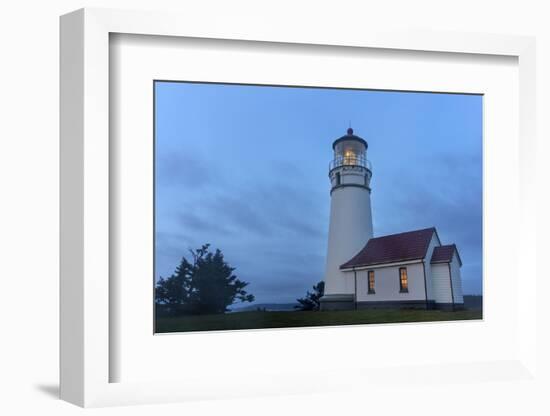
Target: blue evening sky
x,y
245,168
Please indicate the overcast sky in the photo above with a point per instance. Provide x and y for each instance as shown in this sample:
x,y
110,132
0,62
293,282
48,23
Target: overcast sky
x,y
245,168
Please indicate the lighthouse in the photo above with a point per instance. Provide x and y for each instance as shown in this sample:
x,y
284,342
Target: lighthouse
x,y
350,224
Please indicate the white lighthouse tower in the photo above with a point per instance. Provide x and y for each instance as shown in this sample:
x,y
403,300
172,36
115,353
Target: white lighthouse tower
x,y
350,217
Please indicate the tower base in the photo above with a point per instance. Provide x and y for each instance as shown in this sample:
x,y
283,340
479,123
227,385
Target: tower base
x,y
337,302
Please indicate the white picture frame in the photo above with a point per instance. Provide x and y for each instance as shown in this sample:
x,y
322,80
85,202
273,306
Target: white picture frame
x,y
86,355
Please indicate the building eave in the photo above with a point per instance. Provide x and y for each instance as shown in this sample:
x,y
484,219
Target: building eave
x,y
382,265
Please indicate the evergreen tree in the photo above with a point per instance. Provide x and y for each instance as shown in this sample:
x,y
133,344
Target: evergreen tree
x,y
311,302
205,286
175,289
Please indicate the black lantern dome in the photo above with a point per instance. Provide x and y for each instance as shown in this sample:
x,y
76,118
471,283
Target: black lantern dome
x,y
350,137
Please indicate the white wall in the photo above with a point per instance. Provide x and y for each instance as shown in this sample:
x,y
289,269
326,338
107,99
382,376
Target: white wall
x,y
350,176
457,280
387,284
441,283
434,242
350,228
29,181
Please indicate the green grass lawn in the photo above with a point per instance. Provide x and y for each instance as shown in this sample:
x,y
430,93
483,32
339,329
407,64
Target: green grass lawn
x,y
260,319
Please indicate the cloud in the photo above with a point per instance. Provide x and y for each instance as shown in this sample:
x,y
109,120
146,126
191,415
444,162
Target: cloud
x,y
241,213
193,222
180,169
273,235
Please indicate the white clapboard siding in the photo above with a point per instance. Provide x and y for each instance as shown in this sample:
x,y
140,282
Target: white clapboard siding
x,y
457,280
386,284
441,284
434,242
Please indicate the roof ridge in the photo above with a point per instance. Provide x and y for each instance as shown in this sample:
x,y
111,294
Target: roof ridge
x,y
407,245
405,232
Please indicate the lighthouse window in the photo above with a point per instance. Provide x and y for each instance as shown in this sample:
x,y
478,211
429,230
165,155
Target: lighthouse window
x,y
403,280
350,158
371,282
337,178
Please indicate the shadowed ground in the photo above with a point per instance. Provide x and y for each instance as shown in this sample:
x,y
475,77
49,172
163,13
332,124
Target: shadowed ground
x,y
268,319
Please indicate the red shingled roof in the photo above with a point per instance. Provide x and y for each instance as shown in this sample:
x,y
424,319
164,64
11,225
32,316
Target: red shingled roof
x,y
444,254
411,245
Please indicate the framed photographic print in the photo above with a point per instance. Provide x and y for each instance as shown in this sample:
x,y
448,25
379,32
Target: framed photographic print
x,y
287,199
247,167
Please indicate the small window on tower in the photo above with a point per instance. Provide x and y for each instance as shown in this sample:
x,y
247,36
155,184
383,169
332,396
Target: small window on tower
x,y
371,282
366,180
403,280
337,178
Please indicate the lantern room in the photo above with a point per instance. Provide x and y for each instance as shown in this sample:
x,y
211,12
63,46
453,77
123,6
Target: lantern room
x,y
350,150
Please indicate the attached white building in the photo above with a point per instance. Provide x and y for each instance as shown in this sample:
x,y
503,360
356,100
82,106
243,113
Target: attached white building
x,y
411,269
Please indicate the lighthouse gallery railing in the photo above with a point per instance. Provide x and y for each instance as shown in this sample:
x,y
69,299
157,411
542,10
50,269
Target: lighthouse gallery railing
x,y
350,161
